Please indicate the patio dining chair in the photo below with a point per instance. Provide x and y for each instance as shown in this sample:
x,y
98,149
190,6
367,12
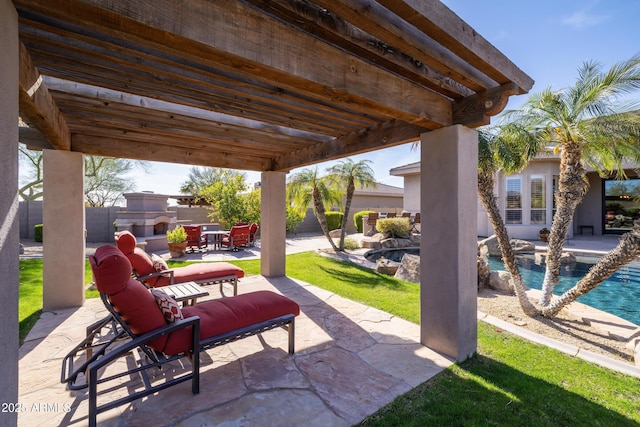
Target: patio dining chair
x,y
156,331
195,239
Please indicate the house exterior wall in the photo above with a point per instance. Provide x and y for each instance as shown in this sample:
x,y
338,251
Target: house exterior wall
x,y
412,193
589,212
528,229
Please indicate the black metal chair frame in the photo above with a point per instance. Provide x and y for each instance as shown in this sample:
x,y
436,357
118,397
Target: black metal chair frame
x,y
98,355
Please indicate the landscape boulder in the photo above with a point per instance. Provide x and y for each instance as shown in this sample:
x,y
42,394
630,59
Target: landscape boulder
x,y
409,269
501,281
518,245
387,266
567,258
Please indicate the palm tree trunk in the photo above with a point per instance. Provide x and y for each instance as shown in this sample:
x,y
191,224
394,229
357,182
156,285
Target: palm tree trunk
x,y
627,250
490,204
571,190
347,205
322,218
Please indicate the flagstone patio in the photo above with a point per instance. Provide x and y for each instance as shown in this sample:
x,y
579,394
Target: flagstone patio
x,y
350,361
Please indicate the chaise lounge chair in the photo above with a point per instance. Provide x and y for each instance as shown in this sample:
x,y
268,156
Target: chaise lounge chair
x,y
160,332
203,273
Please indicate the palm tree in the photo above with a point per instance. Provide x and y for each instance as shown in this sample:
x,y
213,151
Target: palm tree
x,y
306,187
356,175
588,125
494,154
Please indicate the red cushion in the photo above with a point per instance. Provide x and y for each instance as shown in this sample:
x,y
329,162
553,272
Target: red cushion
x,y
201,272
227,314
141,263
126,242
111,269
130,298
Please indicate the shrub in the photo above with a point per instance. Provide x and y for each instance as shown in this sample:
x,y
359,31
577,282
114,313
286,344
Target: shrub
x,y
37,233
177,235
357,219
396,227
334,220
293,219
350,244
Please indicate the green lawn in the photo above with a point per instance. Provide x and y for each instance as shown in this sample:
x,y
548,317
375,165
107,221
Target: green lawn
x,y
510,382
30,293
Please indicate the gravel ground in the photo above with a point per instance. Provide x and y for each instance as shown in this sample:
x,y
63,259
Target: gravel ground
x,y
564,327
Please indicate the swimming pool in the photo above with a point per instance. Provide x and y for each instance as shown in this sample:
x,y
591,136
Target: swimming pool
x,y
618,295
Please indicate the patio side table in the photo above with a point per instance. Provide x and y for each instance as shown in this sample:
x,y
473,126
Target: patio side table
x,y
187,292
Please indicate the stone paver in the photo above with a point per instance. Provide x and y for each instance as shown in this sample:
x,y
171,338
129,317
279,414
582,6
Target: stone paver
x,y
350,361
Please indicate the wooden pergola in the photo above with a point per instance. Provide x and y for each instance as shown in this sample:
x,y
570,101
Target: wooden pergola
x,y
260,85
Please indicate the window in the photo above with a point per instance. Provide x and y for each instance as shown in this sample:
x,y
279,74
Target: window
x,y
514,200
538,199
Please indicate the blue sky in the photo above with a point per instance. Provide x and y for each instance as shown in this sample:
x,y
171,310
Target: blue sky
x,y
548,40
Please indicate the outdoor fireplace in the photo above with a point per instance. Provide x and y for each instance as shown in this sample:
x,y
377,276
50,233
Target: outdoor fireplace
x,y
147,217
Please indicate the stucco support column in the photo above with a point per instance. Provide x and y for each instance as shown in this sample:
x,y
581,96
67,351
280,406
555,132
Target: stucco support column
x,y
448,249
273,230
63,218
9,234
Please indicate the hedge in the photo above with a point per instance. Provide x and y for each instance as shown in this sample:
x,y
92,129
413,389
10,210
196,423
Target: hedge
x,y
357,219
37,233
334,220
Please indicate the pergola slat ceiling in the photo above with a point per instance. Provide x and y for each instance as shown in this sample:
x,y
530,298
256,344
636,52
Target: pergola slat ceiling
x,y
265,85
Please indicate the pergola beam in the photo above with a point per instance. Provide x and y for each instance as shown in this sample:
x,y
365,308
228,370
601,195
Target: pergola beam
x,y
386,135
38,107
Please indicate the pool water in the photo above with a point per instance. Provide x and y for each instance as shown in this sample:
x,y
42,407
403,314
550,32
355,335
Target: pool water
x,y
618,295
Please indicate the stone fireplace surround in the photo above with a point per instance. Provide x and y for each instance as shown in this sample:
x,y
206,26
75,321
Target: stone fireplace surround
x,y
147,217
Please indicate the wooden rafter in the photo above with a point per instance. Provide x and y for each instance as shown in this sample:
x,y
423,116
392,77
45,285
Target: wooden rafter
x,y
252,84
37,105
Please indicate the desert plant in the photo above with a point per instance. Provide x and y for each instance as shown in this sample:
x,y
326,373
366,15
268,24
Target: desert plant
x,y
397,227
357,219
177,235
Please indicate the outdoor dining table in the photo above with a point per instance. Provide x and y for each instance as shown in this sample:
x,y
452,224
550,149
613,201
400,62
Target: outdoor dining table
x,y
216,237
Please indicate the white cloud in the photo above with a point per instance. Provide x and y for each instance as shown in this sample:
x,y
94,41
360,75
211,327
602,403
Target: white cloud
x,y
585,18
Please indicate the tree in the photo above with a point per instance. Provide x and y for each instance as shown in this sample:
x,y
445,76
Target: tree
x,y
105,178
354,175
252,210
307,187
495,154
200,178
31,179
225,196
588,125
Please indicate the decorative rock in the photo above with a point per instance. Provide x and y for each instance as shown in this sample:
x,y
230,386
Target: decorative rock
x,y
567,258
409,269
335,233
501,281
404,243
370,243
491,243
389,243
386,266
484,271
